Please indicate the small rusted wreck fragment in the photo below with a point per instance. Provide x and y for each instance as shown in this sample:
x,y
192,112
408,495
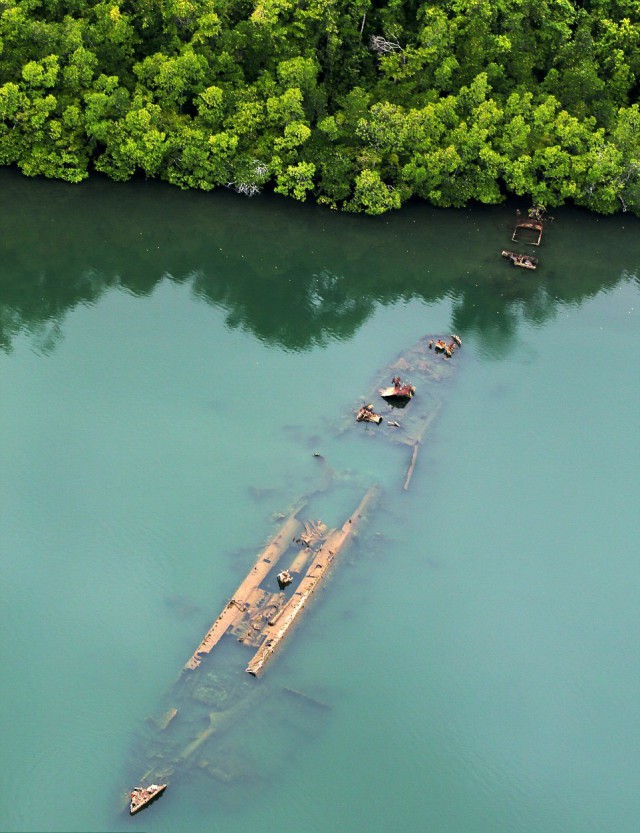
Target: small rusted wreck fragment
x,y
533,223
141,797
449,349
398,392
367,414
284,579
524,261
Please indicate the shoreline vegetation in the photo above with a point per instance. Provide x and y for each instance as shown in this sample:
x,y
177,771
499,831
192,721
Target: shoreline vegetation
x,y
357,105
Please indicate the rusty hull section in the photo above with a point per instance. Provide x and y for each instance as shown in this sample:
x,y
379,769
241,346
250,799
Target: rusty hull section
x,y
260,617
248,596
281,623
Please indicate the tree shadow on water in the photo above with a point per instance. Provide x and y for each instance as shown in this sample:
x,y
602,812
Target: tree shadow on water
x,y
294,276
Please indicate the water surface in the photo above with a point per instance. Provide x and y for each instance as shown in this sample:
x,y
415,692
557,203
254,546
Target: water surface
x,y
170,363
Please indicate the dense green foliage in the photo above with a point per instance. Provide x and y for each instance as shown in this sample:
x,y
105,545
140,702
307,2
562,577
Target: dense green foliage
x,y
359,104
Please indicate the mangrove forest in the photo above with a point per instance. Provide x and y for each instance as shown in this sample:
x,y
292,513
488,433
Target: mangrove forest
x,y
358,105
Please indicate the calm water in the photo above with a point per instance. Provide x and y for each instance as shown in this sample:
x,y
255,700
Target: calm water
x,y
168,365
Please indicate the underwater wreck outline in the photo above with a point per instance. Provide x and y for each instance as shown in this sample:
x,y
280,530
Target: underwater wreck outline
x,y
261,617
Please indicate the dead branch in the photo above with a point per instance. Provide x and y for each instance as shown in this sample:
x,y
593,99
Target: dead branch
x,y
383,46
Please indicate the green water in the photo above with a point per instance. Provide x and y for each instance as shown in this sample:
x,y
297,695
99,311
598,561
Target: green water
x,y
169,364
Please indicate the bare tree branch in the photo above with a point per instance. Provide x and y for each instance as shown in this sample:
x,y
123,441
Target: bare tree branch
x,y
383,46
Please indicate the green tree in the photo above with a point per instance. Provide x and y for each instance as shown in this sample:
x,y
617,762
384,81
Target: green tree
x,y
372,195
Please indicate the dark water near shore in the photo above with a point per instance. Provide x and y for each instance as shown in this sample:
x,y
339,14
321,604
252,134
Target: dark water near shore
x,y
169,363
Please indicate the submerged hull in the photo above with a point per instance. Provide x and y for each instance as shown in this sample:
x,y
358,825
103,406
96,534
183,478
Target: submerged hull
x,y
216,688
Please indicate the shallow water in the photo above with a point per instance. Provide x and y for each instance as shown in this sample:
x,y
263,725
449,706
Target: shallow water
x,y
170,363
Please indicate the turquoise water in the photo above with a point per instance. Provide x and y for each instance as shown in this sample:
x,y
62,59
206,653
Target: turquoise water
x,y
170,363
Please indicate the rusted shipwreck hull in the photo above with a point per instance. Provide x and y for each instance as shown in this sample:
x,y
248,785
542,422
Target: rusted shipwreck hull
x,y
213,692
262,613
259,617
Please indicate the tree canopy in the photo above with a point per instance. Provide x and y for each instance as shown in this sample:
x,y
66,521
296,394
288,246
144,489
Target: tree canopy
x,y
359,105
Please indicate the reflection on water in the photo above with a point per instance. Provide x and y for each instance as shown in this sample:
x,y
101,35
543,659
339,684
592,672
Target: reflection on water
x,y
293,275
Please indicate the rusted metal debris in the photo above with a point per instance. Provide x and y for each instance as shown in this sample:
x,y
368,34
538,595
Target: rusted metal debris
x,y
313,531
441,346
254,611
527,230
284,579
248,593
423,362
534,223
367,414
398,393
141,797
524,261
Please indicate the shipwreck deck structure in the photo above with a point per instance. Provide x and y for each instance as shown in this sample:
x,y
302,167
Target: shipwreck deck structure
x,y
281,622
261,617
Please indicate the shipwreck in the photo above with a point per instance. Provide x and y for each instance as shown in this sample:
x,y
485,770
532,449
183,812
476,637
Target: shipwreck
x,y
287,574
